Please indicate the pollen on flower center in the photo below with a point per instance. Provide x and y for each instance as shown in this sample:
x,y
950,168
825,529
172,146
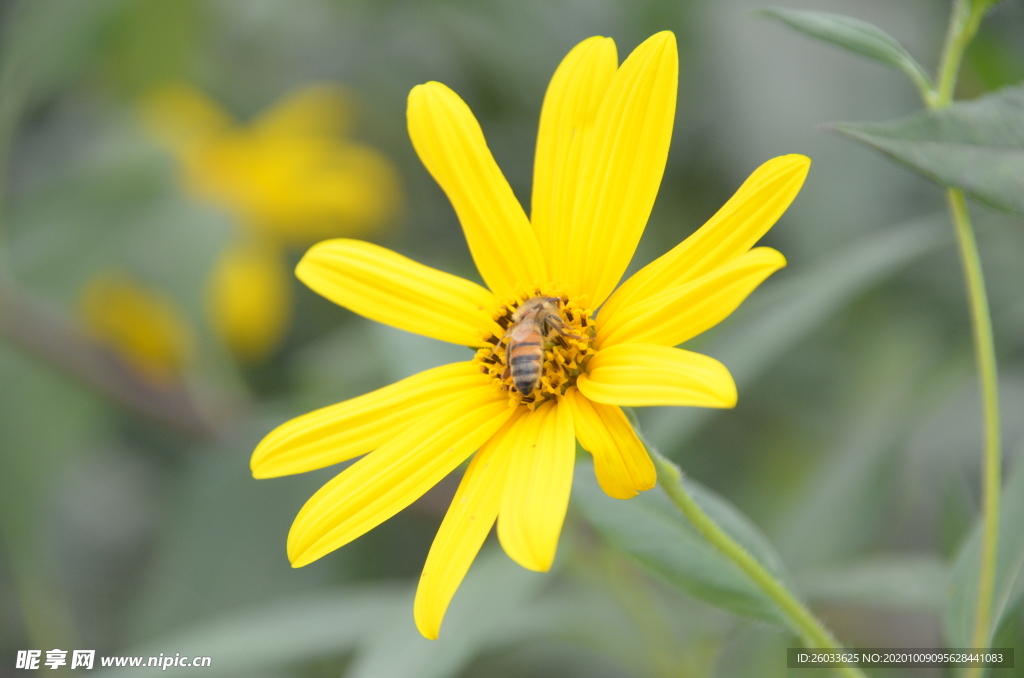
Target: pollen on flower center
x,y
545,347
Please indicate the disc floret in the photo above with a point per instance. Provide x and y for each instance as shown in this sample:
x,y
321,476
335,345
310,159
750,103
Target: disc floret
x,y
565,353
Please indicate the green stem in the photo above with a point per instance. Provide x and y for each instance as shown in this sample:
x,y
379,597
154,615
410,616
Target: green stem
x,y
812,632
963,25
985,356
952,55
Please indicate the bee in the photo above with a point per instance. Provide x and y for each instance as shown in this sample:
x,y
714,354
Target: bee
x,y
533,325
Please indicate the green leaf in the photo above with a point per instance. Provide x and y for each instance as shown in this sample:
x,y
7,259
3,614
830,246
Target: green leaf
x,y
651,530
915,583
374,620
855,35
791,309
281,632
977,146
963,589
982,6
479,618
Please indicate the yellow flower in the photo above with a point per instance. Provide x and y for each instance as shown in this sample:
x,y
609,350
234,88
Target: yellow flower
x,y
601,152
139,324
290,177
290,174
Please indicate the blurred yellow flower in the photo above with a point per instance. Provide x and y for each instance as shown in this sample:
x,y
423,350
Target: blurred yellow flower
x,y
290,174
139,324
248,301
549,368
289,178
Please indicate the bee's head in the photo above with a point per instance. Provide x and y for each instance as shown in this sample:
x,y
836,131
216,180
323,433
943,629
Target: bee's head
x,y
536,305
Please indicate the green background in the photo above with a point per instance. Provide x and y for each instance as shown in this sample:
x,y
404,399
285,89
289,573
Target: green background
x,y
855,445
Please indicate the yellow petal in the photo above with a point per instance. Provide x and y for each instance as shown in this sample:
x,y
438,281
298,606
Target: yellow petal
x,y
142,325
536,493
621,462
300,190
396,474
684,311
249,300
465,527
733,230
451,145
646,374
318,110
566,128
389,288
622,169
354,427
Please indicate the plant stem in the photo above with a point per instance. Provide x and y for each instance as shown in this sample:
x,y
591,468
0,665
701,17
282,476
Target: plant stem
x,y
985,356
811,630
27,324
963,25
957,40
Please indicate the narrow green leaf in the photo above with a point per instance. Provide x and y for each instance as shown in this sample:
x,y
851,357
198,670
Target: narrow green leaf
x,y
651,530
963,588
977,146
855,35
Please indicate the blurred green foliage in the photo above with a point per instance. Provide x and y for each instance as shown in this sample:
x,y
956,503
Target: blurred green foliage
x,y
853,449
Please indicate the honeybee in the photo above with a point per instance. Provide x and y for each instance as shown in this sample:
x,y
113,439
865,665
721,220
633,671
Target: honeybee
x,y
533,324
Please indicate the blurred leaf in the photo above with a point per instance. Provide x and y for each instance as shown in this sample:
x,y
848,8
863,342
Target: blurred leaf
x,y
479,618
44,43
977,146
844,501
652,531
585,616
624,622
152,42
375,621
994,62
894,582
114,203
791,309
281,632
223,545
45,421
963,589
942,455
979,6
855,35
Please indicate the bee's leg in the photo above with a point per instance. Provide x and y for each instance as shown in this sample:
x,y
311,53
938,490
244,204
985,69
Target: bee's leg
x,y
554,324
563,333
558,325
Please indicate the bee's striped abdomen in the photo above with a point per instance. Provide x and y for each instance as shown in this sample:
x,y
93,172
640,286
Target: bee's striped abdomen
x,y
524,359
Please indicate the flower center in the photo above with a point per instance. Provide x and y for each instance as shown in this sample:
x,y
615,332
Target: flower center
x,y
545,347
